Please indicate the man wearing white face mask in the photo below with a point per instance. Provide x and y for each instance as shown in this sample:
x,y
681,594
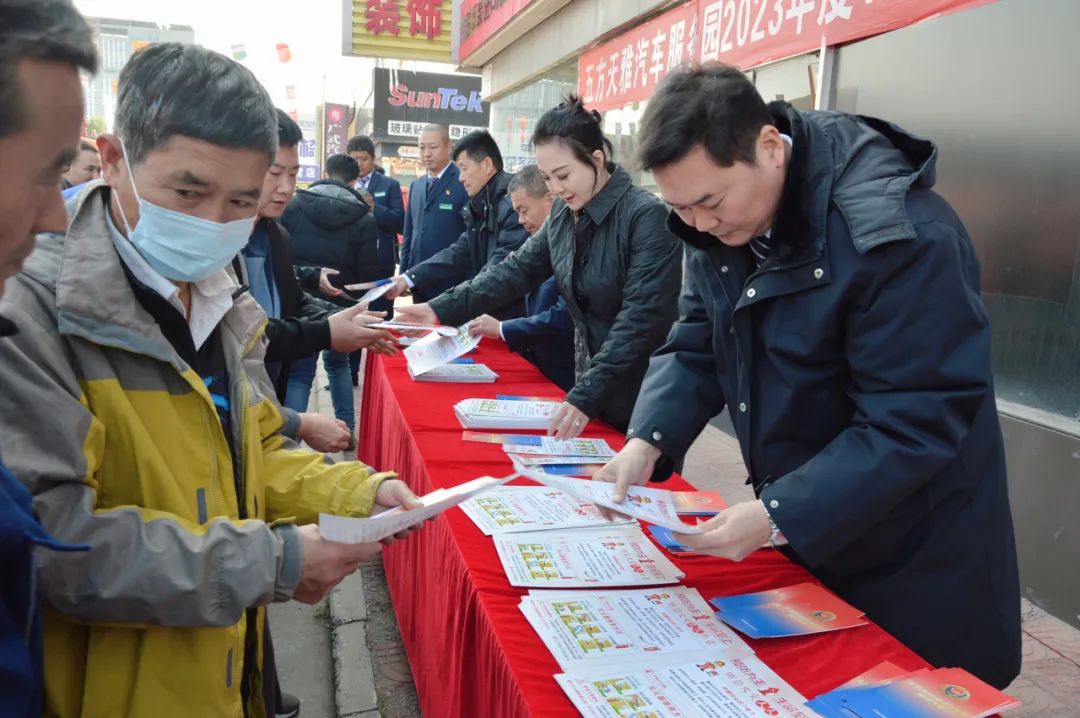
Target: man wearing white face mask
x,y
137,409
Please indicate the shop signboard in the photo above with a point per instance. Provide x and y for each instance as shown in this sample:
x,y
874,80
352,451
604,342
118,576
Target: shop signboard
x,y
628,68
481,19
405,29
308,150
335,129
407,101
743,33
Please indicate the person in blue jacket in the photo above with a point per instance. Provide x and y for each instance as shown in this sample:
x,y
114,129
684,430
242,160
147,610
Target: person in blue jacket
x,y
43,45
831,300
382,195
434,218
545,335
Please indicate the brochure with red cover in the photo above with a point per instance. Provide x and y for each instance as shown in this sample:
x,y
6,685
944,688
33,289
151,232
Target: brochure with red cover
x,y
699,503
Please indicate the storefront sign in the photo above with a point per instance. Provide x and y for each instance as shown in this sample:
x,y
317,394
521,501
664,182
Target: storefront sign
x,y
481,19
309,157
628,68
744,33
406,29
407,101
335,129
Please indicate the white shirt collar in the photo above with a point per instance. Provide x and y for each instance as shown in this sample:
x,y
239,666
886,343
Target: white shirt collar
x,y
441,172
211,298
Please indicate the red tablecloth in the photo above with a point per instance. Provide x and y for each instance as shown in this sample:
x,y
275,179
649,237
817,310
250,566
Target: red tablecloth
x,y
472,653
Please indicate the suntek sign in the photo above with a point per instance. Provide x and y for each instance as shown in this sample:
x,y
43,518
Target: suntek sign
x,y
405,99
445,98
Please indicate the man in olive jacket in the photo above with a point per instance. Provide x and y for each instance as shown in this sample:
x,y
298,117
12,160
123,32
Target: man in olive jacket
x,y
832,304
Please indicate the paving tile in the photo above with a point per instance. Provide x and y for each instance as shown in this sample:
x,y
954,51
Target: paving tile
x,y
347,603
354,684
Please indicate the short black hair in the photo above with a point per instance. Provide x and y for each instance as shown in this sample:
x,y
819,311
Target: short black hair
x,y
478,145
86,145
711,105
171,88
342,168
288,132
579,129
360,143
529,179
38,30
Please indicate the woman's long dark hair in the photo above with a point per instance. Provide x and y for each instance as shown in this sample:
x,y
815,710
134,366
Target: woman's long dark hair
x,y
576,127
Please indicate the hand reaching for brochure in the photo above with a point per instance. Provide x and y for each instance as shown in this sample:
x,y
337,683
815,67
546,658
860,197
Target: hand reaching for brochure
x,y
633,466
324,564
392,493
401,288
349,330
567,422
417,314
485,326
324,282
734,533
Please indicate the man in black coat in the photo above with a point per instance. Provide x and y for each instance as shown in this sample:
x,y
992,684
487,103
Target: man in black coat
x,y
831,301
492,229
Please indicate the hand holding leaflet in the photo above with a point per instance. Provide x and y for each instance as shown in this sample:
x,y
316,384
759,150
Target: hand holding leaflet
x,y
655,506
369,530
375,289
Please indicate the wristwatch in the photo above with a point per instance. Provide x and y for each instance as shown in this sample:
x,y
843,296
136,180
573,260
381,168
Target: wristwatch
x,y
776,537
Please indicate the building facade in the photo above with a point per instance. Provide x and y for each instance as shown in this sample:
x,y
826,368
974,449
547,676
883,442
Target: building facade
x,y
117,40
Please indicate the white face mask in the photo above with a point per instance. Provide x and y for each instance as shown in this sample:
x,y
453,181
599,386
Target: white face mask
x,y
181,247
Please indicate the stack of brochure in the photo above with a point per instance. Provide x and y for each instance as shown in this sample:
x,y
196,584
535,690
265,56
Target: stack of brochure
x,y
584,558
457,374
704,683
511,509
496,414
888,691
799,610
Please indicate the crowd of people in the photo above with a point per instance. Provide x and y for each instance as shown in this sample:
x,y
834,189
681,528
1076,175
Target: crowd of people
x,y
162,326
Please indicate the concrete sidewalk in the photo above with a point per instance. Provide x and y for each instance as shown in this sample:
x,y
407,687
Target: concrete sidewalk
x,y
344,658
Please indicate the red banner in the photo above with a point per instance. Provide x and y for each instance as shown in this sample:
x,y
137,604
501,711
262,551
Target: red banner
x,y
744,33
480,19
628,68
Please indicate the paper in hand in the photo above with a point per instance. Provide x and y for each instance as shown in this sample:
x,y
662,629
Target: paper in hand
x,y
369,530
655,506
437,349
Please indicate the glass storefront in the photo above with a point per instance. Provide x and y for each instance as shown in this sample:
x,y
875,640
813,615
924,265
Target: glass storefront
x,y
1006,133
792,80
514,117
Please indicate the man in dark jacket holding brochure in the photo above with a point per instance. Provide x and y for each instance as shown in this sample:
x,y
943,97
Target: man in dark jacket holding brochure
x,y
831,301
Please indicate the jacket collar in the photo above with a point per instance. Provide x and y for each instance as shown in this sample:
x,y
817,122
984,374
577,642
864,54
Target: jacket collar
x,y
488,196
605,200
94,299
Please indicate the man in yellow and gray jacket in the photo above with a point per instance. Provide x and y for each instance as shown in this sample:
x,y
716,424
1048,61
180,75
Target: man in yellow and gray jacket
x,y
136,408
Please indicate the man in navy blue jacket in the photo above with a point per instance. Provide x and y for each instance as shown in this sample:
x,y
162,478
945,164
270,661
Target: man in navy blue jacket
x,y
43,44
545,335
434,219
831,300
382,195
